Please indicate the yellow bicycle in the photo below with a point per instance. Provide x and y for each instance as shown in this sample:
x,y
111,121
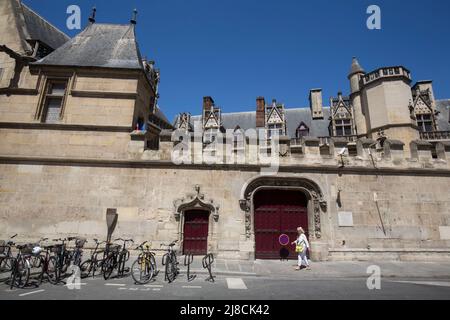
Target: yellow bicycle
x,y
144,268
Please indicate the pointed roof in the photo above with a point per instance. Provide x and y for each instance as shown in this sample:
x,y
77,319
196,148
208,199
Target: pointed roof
x,y
40,29
33,27
99,45
356,67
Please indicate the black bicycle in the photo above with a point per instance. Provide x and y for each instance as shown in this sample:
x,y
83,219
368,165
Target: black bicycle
x,y
6,256
95,263
144,268
116,258
49,266
21,267
170,262
75,255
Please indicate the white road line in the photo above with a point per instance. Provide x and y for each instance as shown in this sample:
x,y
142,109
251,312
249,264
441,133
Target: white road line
x,y
157,289
236,284
115,284
147,289
192,287
133,289
32,292
154,286
427,283
75,284
122,288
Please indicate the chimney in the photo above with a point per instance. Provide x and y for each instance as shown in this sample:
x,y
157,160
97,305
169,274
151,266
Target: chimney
x,y
208,103
260,112
316,105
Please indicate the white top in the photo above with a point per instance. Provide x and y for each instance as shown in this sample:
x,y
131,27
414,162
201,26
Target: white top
x,y
302,239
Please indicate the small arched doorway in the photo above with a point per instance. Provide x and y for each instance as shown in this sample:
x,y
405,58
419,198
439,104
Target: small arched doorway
x,y
278,212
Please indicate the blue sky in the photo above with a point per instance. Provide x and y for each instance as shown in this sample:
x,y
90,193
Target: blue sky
x,y
236,50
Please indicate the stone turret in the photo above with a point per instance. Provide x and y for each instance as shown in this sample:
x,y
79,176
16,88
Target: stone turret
x,y
356,72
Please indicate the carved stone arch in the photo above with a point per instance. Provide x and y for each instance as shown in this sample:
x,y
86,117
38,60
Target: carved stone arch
x,y
197,201
312,191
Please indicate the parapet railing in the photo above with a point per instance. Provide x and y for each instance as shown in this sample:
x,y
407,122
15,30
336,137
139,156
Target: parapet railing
x,y
435,135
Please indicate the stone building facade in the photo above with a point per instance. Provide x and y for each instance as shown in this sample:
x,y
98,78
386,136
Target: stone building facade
x,y
81,132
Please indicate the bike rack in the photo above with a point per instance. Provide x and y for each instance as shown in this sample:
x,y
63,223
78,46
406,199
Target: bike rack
x,y
188,259
207,262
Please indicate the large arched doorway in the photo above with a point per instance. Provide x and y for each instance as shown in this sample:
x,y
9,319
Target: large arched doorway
x,y
276,213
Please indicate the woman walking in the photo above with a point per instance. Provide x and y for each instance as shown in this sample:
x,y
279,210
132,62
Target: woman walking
x,y
301,247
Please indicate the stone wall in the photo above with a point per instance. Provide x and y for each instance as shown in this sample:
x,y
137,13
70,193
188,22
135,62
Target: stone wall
x,y
401,212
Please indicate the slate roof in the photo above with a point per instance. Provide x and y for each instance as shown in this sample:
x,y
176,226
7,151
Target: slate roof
x,y
317,128
99,45
294,116
40,29
356,67
443,106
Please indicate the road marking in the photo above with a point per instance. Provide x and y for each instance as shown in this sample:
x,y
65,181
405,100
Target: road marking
x,y
133,289
121,288
32,292
147,289
75,284
115,284
192,287
157,289
236,284
427,283
154,286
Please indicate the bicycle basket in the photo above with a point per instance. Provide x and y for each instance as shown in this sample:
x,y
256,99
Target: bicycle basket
x,y
28,249
80,242
2,246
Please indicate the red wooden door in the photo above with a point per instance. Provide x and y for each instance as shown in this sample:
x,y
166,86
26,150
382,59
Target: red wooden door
x,y
277,214
196,232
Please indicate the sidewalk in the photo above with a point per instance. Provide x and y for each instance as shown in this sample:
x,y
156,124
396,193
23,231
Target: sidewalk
x,y
324,270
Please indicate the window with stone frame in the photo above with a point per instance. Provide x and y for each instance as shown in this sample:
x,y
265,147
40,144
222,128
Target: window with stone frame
x,y
425,122
274,129
302,131
343,127
54,100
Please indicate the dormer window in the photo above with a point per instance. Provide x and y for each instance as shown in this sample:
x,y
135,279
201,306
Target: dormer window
x,y
302,131
425,122
343,127
54,101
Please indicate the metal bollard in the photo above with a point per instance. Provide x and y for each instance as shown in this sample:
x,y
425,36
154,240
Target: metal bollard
x,y
207,262
188,259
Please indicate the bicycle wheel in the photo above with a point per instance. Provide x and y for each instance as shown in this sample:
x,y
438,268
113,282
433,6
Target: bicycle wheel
x,y
21,273
170,274
86,268
142,271
108,267
6,264
53,272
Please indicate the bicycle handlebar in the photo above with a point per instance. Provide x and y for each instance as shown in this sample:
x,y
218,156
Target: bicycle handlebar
x,y
14,236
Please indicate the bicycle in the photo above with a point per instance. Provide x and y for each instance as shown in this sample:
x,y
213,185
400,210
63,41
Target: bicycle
x,y
49,266
6,254
170,262
75,255
21,267
63,258
94,263
116,259
144,268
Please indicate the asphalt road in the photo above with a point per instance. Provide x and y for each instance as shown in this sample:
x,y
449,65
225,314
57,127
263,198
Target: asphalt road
x,y
236,288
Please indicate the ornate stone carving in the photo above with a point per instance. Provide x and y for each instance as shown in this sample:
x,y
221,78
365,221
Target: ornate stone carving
x,y
195,201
